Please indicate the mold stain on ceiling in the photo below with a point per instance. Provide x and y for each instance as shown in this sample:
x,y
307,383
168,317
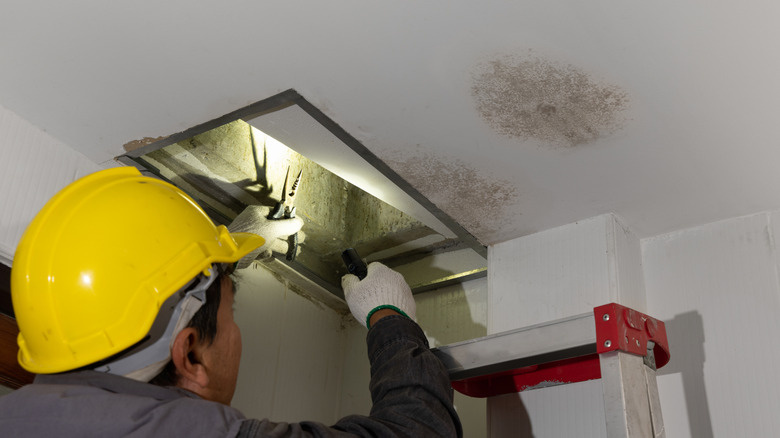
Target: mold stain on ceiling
x,y
529,97
476,201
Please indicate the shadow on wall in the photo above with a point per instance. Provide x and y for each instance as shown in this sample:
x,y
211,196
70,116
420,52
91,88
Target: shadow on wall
x,y
686,342
445,314
511,415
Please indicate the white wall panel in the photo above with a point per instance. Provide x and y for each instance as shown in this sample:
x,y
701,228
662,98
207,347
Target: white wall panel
x,y
33,167
293,352
260,313
563,272
548,275
308,382
716,286
355,397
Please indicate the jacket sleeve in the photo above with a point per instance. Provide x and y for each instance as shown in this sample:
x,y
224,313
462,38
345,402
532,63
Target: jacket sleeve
x,y
410,390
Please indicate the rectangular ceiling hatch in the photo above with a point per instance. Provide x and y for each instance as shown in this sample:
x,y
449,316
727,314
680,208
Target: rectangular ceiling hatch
x,y
347,196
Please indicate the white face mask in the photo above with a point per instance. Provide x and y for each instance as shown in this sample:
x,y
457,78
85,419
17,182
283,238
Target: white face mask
x,y
147,359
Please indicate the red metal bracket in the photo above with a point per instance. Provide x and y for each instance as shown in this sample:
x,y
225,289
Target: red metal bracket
x,y
617,328
621,328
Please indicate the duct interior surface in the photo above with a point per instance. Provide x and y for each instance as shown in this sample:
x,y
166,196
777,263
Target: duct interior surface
x,y
236,164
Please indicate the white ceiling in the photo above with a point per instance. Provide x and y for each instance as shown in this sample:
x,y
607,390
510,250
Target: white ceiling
x,y
513,117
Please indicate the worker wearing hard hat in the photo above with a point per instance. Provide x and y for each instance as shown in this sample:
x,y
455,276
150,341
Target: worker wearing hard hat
x,y
122,291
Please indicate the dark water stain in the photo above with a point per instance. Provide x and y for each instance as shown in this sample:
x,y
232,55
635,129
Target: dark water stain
x,y
529,97
474,200
137,144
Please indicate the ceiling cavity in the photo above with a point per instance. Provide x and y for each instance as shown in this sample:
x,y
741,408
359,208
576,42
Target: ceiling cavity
x,y
347,196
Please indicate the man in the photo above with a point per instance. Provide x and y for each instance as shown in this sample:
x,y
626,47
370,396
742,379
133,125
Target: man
x,y
122,280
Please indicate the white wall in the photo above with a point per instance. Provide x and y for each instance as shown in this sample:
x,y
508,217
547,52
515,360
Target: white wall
x,y
716,286
293,351
563,272
33,167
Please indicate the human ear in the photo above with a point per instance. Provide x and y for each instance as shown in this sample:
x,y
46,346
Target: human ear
x,y
186,355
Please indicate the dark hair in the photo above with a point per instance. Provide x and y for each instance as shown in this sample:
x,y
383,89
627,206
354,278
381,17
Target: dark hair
x,y
204,322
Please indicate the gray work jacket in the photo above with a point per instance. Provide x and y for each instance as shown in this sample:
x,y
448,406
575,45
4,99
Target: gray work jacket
x,y
409,387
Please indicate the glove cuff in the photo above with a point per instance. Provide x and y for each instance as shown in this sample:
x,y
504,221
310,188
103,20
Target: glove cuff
x,y
378,308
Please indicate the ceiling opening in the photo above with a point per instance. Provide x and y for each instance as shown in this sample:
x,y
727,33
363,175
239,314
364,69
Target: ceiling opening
x,y
347,196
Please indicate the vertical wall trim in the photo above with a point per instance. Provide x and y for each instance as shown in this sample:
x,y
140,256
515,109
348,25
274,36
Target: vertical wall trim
x,y
771,229
626,265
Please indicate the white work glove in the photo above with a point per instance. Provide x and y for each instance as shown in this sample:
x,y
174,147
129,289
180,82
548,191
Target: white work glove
x,y
254,219
382,288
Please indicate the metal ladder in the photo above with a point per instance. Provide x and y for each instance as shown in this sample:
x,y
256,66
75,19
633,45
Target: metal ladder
x,y
619,345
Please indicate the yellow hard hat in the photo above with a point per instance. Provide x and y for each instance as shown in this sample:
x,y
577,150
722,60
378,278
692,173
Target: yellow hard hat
x,y
93,268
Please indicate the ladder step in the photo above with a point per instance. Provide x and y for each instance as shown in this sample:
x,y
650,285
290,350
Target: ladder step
x,y
552,353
